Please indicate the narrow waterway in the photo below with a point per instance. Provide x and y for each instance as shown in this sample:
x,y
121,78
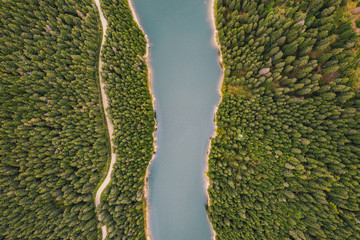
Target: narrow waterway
x,y
185,78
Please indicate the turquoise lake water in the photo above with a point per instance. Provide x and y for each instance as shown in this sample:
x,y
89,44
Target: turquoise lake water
x,y
186,75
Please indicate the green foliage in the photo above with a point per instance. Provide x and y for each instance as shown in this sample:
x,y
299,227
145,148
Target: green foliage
x,y
285,162
125,74
53,140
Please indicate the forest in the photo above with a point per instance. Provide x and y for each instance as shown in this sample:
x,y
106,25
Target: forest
x,y
126,75
285,161
53,143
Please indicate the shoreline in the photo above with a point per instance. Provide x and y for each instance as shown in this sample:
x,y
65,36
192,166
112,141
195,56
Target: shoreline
x,y
147,173
110,126
216,43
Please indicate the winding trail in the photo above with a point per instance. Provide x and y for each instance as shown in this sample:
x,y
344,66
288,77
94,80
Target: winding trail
x,y
110,126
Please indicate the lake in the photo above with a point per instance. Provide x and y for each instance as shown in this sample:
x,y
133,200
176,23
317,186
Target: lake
x,y
185,77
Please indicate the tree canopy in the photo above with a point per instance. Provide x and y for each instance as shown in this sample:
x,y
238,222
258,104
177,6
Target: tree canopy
x,y
53,141
285,162
54,147
126,75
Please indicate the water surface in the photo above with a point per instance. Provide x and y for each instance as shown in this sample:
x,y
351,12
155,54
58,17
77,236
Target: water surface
x,y
185,76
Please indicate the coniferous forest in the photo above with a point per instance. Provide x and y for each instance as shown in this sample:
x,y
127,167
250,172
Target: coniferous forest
x,y
54,144
285,163
53,138
125,73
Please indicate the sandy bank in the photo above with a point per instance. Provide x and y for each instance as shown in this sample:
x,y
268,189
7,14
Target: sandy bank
x,y
147,61
216,44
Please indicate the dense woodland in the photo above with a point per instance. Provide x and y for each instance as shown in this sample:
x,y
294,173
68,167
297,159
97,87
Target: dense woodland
x,y
53,138
53,144
125,73
285,163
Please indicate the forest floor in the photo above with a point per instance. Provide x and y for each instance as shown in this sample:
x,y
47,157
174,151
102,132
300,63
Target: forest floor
x,y
350,8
